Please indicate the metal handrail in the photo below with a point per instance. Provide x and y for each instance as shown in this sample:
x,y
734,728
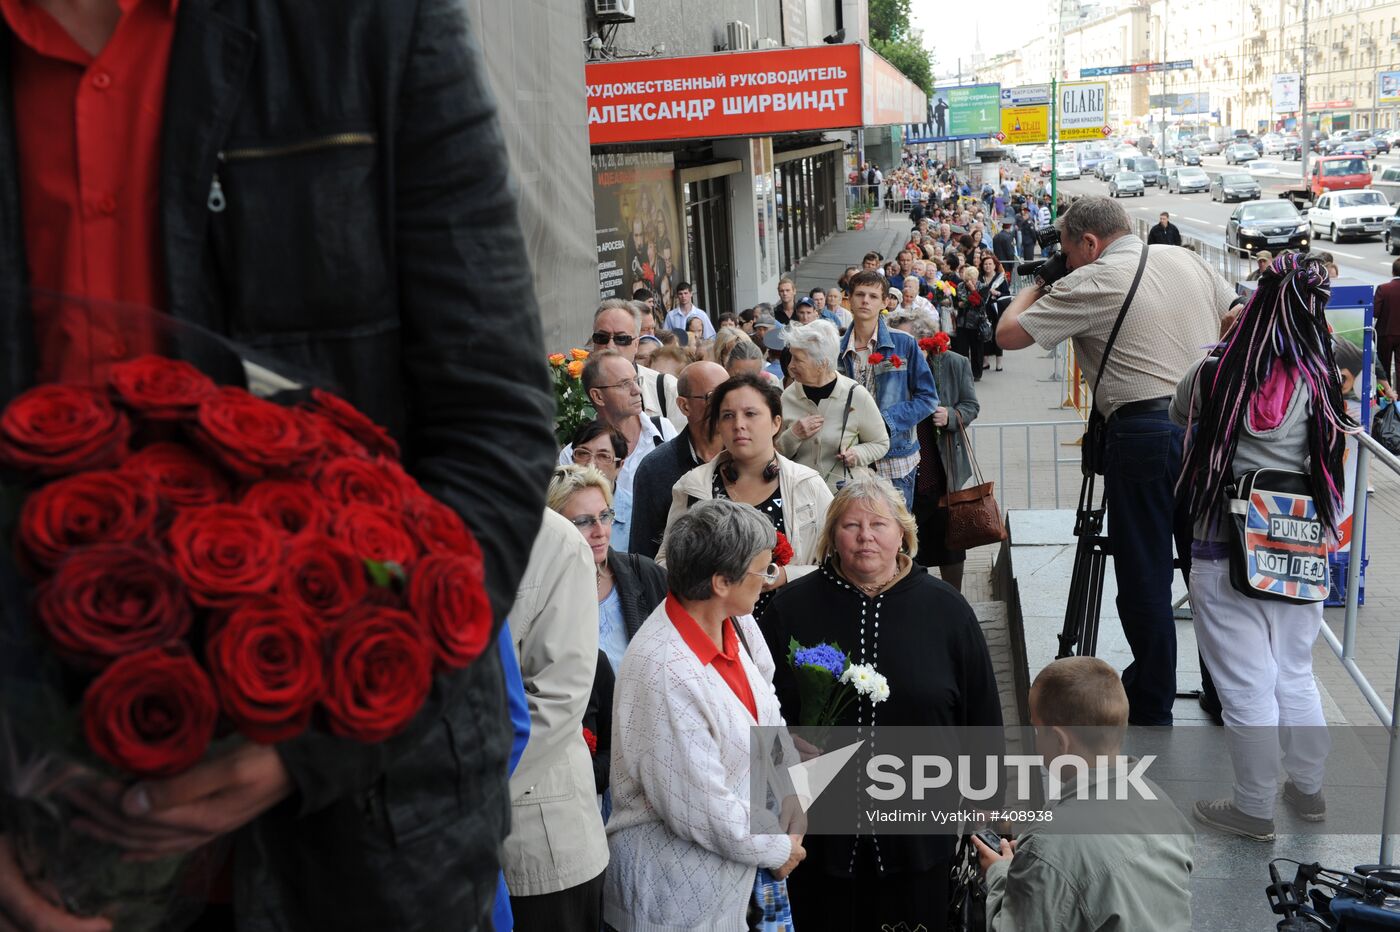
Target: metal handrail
x,y
1075,429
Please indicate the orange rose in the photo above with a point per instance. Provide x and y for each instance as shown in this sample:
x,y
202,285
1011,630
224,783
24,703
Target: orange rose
x,y
576,369
578,354
556,359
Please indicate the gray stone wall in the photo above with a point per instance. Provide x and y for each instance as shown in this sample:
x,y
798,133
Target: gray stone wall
x,y
693,27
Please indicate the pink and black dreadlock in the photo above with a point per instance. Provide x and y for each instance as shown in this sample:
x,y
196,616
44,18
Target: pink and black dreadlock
x,y
1281,324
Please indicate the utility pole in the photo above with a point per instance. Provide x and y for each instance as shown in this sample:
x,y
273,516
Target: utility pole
x,y
1165,8
1053,132
1305,131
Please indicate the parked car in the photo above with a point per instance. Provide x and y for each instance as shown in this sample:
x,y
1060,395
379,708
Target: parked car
x,y
1349,213
1146,166
1145,143
1126,183
1271,225
1089,158
1187,155
1389,183
1272,143
1239,153
1361,147
1381,143
1392,234
1184,179
1106,168
1067,170
1292,150
1208,147
1234,186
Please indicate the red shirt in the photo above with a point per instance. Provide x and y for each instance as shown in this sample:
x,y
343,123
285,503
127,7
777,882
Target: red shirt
x,y
726,662
89,169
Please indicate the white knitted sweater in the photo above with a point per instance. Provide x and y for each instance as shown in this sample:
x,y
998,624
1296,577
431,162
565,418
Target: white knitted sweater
x,y
682,854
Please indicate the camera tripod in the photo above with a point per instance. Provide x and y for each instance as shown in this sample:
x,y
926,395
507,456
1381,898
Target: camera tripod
x,y
1080,634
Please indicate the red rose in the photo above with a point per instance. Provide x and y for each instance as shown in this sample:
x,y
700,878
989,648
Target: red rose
x,y
438,528
111,600
54,430
876,358
447,594
250,437
180,476
380,672
353,479
290,505
782,550
590,739
89,508
151,713
322,578
374,534
161,389
896,361
347,417
265,660
225,554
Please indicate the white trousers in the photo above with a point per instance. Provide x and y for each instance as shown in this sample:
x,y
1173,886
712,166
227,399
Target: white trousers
x,y
1260,655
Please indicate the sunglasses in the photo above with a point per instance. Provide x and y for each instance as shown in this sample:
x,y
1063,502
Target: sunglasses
x,y
603,518
621,339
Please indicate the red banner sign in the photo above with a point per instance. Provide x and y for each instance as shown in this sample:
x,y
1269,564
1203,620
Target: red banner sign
x,y
728,94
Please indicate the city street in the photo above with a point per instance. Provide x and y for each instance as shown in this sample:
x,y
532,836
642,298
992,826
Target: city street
x,y
1364,260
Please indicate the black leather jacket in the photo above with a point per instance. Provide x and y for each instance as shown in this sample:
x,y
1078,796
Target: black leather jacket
x,y
365,221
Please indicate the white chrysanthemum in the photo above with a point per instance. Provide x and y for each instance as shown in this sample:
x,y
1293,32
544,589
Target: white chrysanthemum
x,y
881,690
863,678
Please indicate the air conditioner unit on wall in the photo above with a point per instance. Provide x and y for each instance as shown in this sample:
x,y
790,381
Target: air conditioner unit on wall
x,y
615,11
767,43
737,36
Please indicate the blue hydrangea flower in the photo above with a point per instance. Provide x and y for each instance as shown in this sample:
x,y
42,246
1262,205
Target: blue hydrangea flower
x,y
824,657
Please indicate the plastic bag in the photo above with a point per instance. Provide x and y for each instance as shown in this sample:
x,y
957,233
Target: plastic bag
x,y
1386,428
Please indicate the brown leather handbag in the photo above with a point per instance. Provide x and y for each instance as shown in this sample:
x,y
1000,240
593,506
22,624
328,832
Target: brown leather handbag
x,y
974,517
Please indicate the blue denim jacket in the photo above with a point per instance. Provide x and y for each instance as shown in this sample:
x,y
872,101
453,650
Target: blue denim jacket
x,y
905,395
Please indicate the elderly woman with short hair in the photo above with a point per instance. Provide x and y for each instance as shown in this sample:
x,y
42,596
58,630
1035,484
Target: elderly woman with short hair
x,y
697,677
830,422
922,636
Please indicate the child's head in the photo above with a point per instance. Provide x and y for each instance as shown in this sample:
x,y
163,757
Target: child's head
x,y
1078,707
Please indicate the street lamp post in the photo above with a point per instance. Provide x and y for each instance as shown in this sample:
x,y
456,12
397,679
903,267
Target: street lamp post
x,y
1165,10
1305,131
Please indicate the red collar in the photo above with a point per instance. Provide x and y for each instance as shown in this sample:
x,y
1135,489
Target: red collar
x,y
695,637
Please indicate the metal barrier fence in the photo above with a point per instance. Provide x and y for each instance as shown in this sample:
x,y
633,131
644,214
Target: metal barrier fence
x,y
1051,477
1233,267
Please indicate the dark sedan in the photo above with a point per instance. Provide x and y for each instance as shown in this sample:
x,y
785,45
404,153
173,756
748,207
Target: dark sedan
x,y
1271,225
1234,186
1381,143
1365,148
1188,156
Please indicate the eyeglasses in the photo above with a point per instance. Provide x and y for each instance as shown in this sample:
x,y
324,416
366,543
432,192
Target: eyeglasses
x,y
626,385
588,456
603,518
770,576
621,339
704,397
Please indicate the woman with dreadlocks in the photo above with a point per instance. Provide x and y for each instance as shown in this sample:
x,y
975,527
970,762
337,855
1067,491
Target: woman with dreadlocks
x,y
1270,397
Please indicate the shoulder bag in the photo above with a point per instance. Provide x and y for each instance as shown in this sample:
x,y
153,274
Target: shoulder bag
x,y
841,437
1278,544
974,517
1095,440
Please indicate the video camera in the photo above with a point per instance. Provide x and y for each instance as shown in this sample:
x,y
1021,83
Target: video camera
x,y
1054,266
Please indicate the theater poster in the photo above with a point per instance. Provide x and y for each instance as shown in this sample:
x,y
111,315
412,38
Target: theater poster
x,y
638,224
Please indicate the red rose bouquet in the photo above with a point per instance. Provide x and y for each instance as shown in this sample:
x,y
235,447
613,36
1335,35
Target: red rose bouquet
x,y
194,565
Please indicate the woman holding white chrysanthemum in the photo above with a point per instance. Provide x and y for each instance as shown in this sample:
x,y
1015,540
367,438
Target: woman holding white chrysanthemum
x,y
918,658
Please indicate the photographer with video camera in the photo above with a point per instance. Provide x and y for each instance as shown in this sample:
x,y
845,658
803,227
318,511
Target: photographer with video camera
x,y
1158,307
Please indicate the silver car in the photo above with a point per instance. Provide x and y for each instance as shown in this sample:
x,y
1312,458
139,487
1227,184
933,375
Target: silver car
x,y
1187,179
1126,183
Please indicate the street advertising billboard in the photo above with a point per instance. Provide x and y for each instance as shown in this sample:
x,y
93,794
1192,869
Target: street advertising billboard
x,y
1027,95
969,111
637,219
1287,91
1022,126
727,94
1388,87
1191,103
1083,111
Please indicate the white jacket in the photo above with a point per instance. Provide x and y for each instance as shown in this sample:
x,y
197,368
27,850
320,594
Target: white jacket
x,y
556,831
805,500
659,396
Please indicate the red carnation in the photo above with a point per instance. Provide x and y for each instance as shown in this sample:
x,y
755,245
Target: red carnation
x,y
352,479
876,358
381,671
161,389
151,713
438,528
938,343
265,660
322,578
225,554
89,508
447,594
54,430
290,505
251,437
342,414
782,550
374,534
110,600
180,476
590,739
974,298
896,361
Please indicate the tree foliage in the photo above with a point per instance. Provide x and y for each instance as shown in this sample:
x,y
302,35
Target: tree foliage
x,y
889,20
899,43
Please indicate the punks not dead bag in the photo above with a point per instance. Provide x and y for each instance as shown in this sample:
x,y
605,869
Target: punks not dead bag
x,y
1278,544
